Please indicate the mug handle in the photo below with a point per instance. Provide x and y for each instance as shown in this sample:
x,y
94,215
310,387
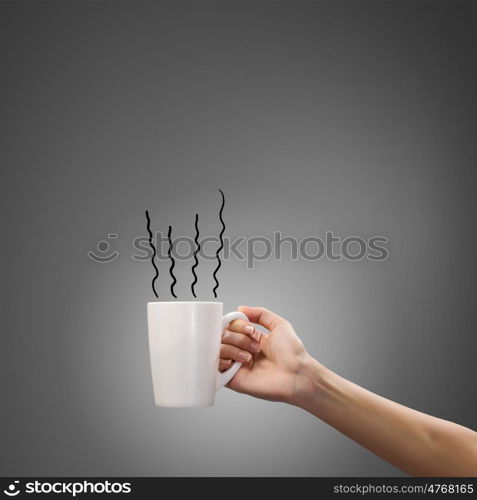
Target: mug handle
x,y
226,376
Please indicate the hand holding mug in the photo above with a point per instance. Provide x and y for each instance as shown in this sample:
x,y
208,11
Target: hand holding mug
x,y
272,361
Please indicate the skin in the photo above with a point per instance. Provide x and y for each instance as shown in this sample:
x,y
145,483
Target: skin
x,y
278,368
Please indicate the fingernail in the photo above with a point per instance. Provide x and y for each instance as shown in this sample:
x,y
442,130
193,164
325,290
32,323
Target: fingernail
x,y
244,356
255,346
248,329
256,335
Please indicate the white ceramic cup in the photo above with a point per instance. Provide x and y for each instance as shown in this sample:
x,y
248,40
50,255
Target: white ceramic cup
x,y
184,345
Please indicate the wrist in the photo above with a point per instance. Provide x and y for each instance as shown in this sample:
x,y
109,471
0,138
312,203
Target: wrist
x,y
310,380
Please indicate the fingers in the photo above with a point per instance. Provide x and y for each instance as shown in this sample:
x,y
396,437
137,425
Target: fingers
x,y
225,364
234,353
241,341
262,316
245,328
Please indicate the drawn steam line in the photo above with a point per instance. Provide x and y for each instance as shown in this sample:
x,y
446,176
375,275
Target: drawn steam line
x,y
196,252
153,254
173,262
219,262
196,260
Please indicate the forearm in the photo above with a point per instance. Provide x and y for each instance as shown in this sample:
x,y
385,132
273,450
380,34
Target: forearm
x,y
414,442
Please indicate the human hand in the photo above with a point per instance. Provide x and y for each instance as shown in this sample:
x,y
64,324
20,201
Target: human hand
x,y
272,362
280,369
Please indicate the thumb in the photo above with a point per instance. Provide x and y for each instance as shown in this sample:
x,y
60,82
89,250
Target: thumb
x,y
262,316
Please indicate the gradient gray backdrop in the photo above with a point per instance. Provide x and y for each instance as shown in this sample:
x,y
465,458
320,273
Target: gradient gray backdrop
x,y
357,117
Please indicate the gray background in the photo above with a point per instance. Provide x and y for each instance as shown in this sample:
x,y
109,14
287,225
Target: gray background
x,y
354,117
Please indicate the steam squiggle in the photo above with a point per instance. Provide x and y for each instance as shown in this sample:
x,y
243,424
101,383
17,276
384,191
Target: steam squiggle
x,y
197,248
219,262
173,263
153,253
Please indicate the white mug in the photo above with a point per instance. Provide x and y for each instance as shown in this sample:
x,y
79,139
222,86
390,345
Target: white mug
x,y
184,345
